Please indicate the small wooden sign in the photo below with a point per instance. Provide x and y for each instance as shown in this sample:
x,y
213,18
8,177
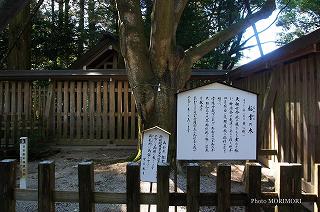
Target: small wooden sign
x,y
155,143
23,162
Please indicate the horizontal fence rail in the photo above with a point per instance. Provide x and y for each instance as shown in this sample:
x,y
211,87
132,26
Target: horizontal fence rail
x,y
287,195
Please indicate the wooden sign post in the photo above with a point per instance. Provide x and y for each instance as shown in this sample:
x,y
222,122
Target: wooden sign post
x,y
216,122
23,162
155,142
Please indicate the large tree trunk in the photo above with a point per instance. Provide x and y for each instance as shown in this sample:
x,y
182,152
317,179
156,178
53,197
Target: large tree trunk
x,y
81,28
158,68
8,10
156,105
20,55
91,22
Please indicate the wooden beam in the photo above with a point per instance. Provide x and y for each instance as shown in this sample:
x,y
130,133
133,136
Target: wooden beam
x,y
93,74
268,152
264,114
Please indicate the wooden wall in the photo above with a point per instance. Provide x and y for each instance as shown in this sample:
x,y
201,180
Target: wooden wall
x,y
292,124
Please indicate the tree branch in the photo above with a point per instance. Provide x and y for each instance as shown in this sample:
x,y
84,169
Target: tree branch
x,y
197,52
161,34
8,10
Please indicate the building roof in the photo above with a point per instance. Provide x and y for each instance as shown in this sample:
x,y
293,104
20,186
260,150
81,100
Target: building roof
x,y
300,47
107,42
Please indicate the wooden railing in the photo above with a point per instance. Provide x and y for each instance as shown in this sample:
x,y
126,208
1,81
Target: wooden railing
x,y
287,195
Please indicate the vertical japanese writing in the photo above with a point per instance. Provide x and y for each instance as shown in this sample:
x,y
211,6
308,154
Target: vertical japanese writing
x,y
194,124
146,159
154,152
213,121
159,159
163,151
237,118
251,118
201,103
188,114
225,121
206,127
243,117
230,124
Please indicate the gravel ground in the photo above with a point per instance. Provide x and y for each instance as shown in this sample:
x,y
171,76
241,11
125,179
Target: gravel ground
x,y
109,172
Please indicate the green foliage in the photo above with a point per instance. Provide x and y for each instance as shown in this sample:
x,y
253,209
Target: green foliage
x,y
299,18
55,34
3,42
57,38
202,19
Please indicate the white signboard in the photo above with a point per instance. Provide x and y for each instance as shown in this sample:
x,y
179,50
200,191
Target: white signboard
x,y
155,143
23,162
216,122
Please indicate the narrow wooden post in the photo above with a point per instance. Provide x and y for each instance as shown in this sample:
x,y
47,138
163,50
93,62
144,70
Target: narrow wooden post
x,y
223,187
163,187
296,185
46,185
253,185
86,187
133,187
7,185
193,187
283,185
288,186
316,207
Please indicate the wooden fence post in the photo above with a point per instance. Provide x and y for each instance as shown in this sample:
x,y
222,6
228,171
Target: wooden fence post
x,y
7,185
316,207
288,186
163,187
193,187
223,187
46,186
253,185
296,185
133,187
86,187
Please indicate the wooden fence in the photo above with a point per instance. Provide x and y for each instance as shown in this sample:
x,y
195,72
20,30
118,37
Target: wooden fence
x,y
102,112
291,123
72,107
68,112
287,195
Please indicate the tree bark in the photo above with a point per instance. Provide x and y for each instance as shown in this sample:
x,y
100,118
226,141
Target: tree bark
x,y
81,27
9,9
19,57
91,22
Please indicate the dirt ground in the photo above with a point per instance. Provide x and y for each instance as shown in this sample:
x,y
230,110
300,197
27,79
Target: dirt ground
x,y
109,172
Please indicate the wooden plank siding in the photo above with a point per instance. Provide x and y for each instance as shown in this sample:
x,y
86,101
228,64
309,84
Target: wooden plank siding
x,y
294,120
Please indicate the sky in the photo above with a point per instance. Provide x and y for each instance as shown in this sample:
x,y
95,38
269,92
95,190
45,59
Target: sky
x,y
269,35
